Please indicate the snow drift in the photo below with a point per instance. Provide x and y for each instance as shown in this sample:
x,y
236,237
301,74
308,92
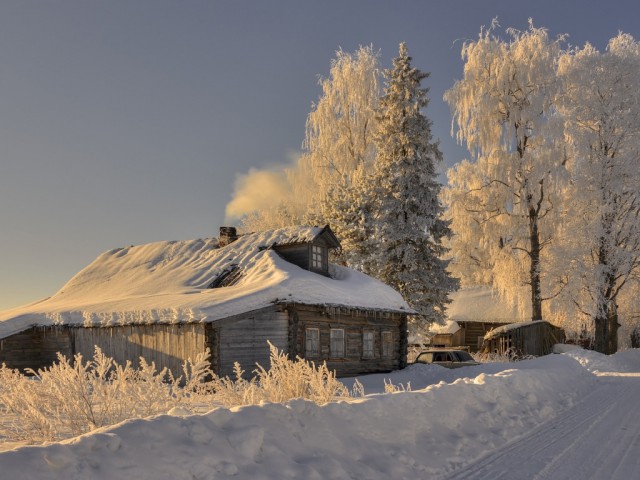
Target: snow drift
x,y
418,434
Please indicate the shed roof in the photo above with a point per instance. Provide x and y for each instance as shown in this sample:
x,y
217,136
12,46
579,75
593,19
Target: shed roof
x,y
166,282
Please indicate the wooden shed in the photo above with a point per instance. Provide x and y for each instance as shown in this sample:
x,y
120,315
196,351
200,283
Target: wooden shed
x,y
170,301
524,338
473,312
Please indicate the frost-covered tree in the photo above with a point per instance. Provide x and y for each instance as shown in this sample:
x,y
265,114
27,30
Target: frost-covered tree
x,y
338,142
600,106
503,110
339,130
403,216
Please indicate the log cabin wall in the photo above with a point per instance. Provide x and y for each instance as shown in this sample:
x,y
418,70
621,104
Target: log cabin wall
x,y
354,323
35,348
243,339
474,332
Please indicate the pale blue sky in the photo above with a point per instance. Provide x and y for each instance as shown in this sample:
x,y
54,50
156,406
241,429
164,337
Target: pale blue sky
x,y
127,122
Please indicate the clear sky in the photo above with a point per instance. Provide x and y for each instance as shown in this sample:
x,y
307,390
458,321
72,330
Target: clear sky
x,y
127,122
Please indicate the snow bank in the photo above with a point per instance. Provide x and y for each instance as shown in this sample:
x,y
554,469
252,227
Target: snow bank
x,y
418,434
627,361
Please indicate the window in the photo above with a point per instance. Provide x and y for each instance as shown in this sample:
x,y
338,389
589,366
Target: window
x,y
337,342
317,257
387,344
367,344
312,342
426,357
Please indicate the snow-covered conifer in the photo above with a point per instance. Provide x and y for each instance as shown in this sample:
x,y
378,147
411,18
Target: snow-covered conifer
x,y
404,219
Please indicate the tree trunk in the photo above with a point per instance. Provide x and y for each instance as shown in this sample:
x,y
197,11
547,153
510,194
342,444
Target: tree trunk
x,y
635,338
612,324
534,270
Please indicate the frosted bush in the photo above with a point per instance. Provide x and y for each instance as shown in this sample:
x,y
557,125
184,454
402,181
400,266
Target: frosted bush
x,y
70,398
285,380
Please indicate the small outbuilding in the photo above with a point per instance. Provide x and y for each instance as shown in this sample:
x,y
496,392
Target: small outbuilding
x,y
473,312
524,338
170,301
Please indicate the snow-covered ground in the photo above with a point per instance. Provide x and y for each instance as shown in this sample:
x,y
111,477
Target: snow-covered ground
x,y
573,415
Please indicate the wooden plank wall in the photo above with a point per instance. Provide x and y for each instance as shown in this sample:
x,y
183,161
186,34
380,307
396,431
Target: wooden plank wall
x,y
165,345
354,323
535,339
35,348
243,339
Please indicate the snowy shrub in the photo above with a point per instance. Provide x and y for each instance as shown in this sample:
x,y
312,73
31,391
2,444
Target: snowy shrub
x,y
389,387
70,398
510,355
285,380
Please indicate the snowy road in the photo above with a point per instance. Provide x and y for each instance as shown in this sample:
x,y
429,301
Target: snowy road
x,y
598,439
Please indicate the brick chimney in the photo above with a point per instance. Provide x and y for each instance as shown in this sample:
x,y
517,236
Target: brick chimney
x,y
227,236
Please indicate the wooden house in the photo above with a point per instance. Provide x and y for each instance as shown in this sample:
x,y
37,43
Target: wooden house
x,y
524,338
473,312
170,301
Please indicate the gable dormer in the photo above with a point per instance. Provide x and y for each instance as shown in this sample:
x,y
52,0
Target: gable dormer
x,y
310,253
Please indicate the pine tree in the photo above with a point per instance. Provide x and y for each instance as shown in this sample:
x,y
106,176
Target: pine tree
x,y
405,225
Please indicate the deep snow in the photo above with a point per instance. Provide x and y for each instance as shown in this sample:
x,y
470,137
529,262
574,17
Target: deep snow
x,y
452,421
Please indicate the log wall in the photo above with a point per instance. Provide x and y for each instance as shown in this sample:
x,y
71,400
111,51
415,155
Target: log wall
x,y
35,348
354,323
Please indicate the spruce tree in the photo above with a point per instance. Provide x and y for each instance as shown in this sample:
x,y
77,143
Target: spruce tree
x,y
406,228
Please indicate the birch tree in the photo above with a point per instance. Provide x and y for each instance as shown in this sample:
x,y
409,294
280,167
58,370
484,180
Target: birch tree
x,y
338,144
503,110
601,110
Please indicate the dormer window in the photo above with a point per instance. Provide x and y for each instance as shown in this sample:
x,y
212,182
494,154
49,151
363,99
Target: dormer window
x,y
309,252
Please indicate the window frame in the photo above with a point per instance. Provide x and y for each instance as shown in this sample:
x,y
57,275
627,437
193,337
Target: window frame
x,y
310,353
387,344
319,258
333,340
368,353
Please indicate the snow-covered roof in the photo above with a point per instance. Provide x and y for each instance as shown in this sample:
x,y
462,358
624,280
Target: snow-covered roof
x,y
449,327
167,282
482,303
507,328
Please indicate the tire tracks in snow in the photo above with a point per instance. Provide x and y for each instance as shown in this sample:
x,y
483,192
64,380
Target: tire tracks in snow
x,y
598,438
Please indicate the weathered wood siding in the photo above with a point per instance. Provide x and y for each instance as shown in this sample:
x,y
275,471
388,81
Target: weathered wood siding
x,y
445,340
165,345
354,323
473,333
35,348
244,338
297,254
535,339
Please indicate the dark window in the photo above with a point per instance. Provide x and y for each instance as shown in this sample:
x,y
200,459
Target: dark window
x,y
337,342
367,344
387,344
312,342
